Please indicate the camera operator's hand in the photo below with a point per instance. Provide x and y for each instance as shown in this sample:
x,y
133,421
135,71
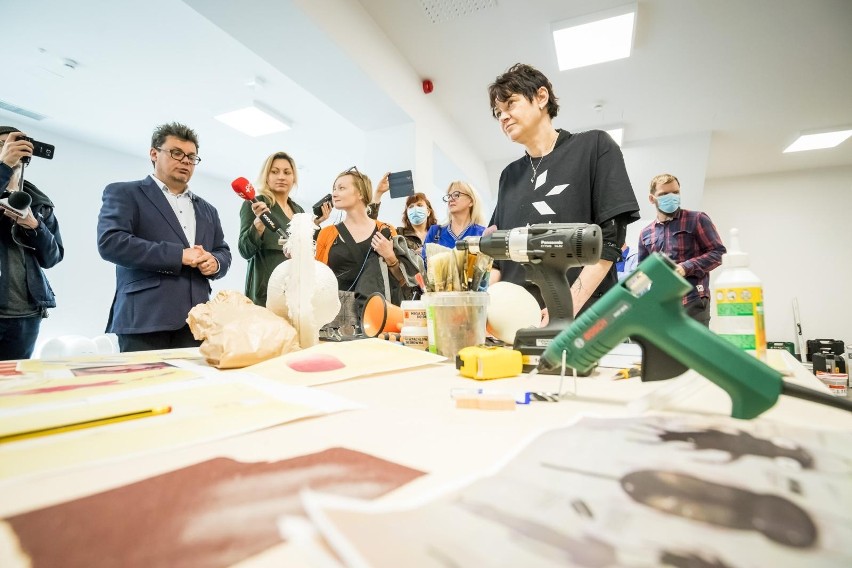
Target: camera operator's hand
x,y
27,220
14,149
326,213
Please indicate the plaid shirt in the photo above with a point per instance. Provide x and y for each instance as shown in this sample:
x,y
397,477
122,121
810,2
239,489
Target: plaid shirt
x,y
690,239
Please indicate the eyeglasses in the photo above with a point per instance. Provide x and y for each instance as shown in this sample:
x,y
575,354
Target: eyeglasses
x,y
179,155
353,170
453,196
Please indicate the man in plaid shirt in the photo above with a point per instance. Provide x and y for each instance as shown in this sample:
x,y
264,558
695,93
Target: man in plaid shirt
x,y
689,238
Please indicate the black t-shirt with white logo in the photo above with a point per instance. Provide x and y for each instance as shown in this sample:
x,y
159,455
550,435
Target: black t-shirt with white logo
x,y
583,180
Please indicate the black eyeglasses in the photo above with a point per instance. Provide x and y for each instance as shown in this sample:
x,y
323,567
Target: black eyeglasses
x,y
454,196
179,155
353,170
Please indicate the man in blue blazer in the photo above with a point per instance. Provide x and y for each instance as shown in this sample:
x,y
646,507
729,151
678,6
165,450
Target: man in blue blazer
x,y
166,243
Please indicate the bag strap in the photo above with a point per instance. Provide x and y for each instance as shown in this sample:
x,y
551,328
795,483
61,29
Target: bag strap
x,y
349,241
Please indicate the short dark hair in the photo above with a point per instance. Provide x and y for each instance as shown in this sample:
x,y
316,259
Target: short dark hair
x,y
521,79
176,129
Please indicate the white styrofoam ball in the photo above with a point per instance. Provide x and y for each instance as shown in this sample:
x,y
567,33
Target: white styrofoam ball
x,y
511,308
107,343
66,346
324,301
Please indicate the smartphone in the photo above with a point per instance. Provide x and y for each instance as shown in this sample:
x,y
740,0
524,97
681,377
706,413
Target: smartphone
x,y
401,184
40,149
318,205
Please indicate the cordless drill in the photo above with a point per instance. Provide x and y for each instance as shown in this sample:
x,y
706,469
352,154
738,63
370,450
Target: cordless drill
x,y
546,251
647,306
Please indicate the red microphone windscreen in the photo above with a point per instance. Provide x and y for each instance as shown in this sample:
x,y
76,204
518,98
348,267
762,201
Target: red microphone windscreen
x,y
243,188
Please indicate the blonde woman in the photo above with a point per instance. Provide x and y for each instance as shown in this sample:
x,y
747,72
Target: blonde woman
x,y
356,248
464,212
257,244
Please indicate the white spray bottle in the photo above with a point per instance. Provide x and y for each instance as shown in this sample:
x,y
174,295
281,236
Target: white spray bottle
x,y
739,302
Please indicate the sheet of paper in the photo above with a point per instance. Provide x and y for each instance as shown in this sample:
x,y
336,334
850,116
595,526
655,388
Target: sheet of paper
x,y
674,490
39,382
212,514
330,362
202,410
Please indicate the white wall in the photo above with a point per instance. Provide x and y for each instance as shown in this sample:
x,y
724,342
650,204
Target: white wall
x,y
380,59
797,229
83,282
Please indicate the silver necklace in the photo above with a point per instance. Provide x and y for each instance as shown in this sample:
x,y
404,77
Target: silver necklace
x,y
540,160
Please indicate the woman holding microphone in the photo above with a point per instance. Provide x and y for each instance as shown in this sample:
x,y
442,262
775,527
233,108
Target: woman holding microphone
x,y
261,247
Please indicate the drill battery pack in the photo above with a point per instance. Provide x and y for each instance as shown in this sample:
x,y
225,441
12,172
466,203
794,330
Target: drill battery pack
x,y
484,362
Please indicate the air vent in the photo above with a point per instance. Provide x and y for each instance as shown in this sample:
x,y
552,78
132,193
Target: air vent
x,y
445,10
21,111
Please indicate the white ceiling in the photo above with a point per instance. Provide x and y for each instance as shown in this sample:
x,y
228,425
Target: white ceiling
x,y
753,73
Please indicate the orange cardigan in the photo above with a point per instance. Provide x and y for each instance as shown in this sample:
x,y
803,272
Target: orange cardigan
x,y
328,234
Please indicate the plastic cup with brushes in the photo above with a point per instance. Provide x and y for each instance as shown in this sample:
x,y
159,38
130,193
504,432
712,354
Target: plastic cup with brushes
x,y
456,308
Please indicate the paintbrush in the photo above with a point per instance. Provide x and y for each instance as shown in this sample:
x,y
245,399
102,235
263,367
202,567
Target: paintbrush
x,y
438,259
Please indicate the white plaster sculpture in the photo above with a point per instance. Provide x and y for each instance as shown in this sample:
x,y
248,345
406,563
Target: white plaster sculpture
x,y
302,289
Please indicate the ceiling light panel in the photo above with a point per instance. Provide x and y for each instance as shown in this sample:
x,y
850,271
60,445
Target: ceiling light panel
x,y
595,38
21,111
819,140
254,120
617,134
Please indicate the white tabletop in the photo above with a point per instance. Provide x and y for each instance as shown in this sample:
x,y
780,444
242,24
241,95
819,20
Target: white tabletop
x,y
410,418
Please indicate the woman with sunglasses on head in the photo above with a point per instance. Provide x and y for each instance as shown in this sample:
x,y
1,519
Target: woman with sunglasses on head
x,y
465,218
257,244
357,248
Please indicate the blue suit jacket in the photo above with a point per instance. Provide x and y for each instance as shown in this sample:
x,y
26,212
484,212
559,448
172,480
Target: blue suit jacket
x,y
139,232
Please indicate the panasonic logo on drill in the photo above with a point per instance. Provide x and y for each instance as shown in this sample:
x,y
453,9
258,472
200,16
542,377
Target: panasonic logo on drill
x,y
552,243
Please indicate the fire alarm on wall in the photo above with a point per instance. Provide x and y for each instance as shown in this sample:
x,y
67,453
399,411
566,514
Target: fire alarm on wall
x,y
427,86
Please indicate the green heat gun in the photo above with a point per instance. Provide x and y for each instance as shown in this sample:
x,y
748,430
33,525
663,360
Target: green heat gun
x,y
647,306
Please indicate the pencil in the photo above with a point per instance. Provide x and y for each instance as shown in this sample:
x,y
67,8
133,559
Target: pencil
x,y
85,424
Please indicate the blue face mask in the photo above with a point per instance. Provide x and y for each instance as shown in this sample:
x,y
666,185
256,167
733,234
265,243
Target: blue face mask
x,y
417,214
668,203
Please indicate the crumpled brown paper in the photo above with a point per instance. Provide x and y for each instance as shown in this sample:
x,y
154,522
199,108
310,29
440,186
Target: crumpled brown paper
x,y
238,333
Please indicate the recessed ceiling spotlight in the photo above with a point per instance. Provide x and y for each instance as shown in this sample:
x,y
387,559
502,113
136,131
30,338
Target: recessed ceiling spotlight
x,y
256,83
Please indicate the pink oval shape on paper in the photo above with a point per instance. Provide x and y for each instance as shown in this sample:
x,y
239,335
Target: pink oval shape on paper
x,y
316,364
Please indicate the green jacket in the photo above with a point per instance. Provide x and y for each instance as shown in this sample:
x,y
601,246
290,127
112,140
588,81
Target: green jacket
x,y
263,252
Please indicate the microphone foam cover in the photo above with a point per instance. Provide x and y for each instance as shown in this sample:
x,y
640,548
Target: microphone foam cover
x,y
20,200
243,187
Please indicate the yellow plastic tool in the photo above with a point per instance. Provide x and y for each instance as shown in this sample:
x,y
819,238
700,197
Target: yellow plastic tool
x,y
484,362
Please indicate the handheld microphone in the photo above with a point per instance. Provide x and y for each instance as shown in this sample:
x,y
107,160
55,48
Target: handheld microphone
x,y
18,202
245,189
